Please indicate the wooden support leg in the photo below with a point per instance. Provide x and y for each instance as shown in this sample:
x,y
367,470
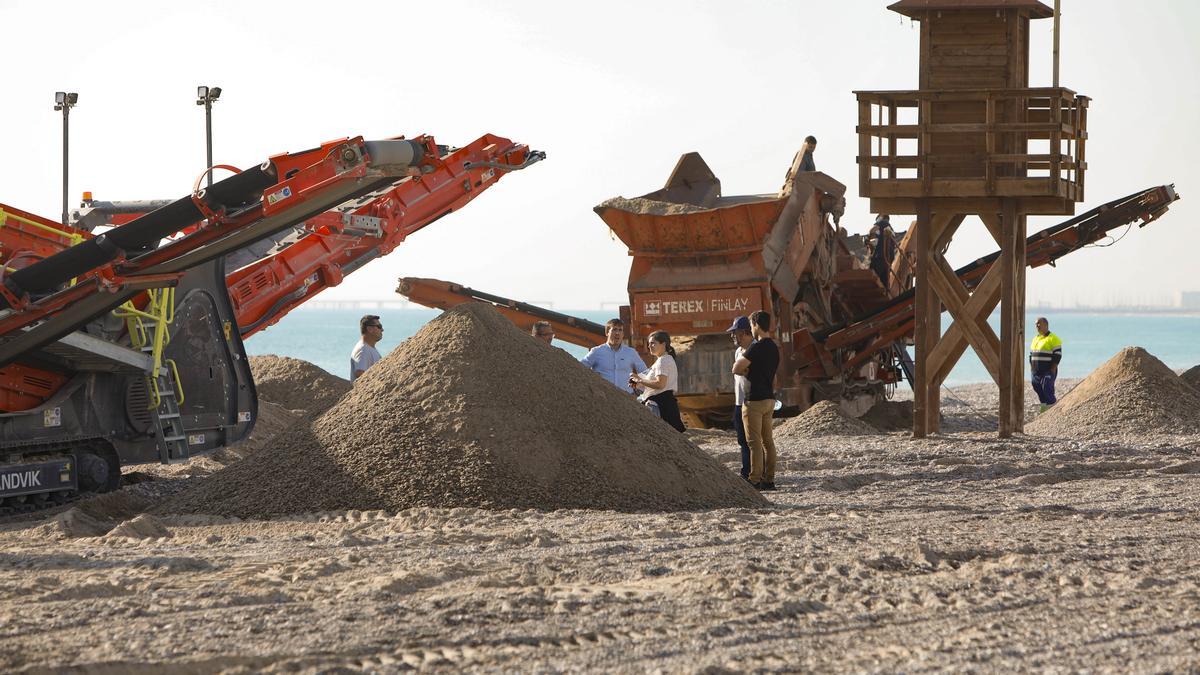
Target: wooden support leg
x,y
933,408
1018,404
1012,318
924,298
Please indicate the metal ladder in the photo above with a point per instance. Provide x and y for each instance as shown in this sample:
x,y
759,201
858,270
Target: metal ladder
x,y
168,424
162,381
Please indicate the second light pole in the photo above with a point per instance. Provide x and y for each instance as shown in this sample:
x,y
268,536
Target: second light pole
x,y
64,101
206,96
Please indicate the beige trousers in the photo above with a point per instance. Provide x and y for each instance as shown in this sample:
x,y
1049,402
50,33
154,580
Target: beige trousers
x,y
756,416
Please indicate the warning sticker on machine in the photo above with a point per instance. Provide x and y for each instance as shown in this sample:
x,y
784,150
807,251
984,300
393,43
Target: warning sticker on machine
x,y
195,439
279,195
244,416
52,417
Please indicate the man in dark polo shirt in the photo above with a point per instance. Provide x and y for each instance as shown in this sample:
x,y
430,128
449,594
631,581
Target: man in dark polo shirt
x,y
759,364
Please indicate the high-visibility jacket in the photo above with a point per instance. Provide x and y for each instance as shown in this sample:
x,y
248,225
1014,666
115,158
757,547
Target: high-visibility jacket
x,y
1045,351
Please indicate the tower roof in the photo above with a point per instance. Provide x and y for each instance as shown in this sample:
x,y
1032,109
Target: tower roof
x,y
915,8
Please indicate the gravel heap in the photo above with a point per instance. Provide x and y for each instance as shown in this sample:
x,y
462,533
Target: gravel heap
x,y
296,384
650,207
890,416
1192,377
471,412
824,418
1132,393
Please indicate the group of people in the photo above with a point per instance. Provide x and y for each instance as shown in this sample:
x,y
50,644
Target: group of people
x,y
755,362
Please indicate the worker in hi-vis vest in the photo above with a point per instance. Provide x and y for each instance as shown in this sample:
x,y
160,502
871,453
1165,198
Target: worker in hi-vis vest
x,y
1044,354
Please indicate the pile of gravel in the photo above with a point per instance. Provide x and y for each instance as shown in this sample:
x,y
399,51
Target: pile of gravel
x,y
890,416
296,384
472,412
652,207
1132,393
1192,377
824,418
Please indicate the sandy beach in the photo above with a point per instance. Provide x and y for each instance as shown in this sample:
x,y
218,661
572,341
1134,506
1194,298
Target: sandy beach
x,y
878,553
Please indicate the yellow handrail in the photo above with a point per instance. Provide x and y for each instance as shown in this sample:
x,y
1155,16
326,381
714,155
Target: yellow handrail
x,y
74,237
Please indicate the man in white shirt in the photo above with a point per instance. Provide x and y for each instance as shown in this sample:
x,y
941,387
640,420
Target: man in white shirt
x,y
365,355
614,360
742,337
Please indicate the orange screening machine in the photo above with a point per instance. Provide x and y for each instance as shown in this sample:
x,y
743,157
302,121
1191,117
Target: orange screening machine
x,y
126,346
701,259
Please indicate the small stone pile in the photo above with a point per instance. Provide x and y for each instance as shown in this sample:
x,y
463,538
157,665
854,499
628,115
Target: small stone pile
x,y
296,384
1192,377
472,412
890,416
651,207
1132,394
824,418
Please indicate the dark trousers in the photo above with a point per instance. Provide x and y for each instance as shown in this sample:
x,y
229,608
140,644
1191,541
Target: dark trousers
x,y
1043,384
668,409
740,428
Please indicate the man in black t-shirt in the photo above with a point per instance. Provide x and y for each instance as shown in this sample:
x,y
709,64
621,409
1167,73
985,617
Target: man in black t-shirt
x,y
759,364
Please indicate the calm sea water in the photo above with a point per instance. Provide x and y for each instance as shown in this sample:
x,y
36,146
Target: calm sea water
x,y
326,336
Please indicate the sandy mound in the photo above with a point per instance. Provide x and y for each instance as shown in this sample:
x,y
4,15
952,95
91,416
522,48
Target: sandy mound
x,y
144,526
824,418
890,416
1192,377
471,412
1132,393
296,384
650,207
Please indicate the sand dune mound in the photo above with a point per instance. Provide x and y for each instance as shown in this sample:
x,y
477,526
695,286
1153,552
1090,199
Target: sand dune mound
x,y
890,416
1192,377
296,384
471,412
824,418
1132,393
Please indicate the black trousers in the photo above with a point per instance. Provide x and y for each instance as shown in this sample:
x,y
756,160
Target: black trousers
x,y
668,409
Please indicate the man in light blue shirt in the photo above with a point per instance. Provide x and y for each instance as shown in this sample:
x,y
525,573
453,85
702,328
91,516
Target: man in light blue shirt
x,y
614,360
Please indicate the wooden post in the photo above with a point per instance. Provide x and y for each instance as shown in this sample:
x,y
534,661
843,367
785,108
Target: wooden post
x,y
924,298
1018,403
1012,319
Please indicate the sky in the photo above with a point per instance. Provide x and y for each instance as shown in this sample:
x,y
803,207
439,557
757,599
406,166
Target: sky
x,y
614,92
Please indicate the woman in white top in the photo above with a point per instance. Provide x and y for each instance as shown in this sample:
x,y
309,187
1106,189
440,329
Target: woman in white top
x,y
660,380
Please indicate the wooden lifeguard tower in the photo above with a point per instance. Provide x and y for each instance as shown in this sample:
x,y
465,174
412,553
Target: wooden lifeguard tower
x,y
974,140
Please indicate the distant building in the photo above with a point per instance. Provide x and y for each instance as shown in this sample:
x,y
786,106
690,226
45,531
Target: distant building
x,y
1189,300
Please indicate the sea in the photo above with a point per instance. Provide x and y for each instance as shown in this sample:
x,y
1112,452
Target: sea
x,y
325,337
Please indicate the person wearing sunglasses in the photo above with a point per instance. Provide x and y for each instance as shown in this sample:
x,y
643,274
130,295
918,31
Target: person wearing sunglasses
x,y
365,355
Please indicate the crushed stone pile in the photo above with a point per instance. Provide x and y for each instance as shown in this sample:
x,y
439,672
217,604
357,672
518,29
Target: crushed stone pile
x,y
651,207
890,416
296,384
824,418
471,412
1133,393
1192,377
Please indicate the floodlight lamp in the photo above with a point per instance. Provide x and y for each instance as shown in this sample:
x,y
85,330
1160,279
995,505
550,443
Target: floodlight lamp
x,y
72,98
201,92
215,92
60,97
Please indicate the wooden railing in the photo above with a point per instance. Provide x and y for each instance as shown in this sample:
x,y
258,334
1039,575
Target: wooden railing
x,y
972,143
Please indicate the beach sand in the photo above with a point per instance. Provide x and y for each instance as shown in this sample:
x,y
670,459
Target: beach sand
x,y
877,553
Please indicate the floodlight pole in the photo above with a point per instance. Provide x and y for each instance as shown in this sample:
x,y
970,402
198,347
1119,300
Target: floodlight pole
x,y
205,96
65,101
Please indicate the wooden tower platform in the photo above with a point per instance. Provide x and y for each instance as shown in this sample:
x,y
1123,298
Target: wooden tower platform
x,y
974,140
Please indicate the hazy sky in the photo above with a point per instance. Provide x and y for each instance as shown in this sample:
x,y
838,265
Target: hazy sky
x,y
613,91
